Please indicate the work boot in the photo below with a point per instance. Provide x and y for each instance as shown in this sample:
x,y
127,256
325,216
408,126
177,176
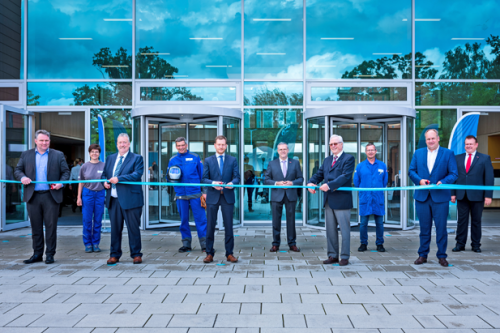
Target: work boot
x,y
203,244
186,245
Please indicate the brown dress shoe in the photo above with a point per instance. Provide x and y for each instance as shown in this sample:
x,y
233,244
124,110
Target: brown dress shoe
x,y
294,248
443,262
344,262
231,258
274,248
137,260
208,259
331,260
112,260
420,261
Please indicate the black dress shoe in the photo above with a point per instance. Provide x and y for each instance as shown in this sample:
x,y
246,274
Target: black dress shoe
x,y
476,249
185,249
362,248
380,248
458,248
34,258
49,259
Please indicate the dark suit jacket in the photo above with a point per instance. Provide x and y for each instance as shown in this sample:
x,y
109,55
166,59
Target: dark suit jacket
x,y
274,174
132,169
338,176
211,173
480,173
57,170
444,171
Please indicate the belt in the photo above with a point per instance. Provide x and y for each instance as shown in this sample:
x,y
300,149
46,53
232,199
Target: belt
x,y
42,192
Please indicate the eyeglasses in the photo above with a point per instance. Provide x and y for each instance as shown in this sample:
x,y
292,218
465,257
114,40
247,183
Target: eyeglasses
x,y
335,144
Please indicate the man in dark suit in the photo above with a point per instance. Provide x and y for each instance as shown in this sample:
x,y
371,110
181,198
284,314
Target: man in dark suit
x,y
336,171
221,169
433,165
284,172
474,168
123,201
42,200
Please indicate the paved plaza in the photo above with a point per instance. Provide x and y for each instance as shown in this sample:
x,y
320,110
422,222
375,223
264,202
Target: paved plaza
x,y
264,292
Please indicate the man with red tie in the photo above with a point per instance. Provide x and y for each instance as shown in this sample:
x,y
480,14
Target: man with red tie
x,y
474,168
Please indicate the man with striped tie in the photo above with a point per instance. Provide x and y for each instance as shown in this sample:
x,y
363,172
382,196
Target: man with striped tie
x,y
123,201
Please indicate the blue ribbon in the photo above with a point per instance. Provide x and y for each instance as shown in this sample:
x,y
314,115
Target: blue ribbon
x,y
352,189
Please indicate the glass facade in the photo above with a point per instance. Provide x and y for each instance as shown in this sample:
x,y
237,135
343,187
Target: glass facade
x,y
273,62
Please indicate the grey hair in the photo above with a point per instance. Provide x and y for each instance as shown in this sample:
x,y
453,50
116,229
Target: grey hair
x,y
433,130
283,144
337,136
180,139
123,135
41,131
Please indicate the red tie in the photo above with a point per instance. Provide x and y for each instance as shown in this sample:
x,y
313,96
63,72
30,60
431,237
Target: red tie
x,y
334,160
467,166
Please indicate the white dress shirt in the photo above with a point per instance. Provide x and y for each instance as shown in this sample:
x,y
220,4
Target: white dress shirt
x,y
431,158
467,157
338,156
281,166
114,194
218,162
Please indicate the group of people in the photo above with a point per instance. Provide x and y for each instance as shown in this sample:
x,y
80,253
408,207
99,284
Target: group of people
x,y
432,165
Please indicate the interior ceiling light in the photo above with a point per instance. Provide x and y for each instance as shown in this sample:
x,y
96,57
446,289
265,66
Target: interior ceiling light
x,y
74,38
271,19
218,66
404,20
206,38
337,38
271,53
428,20
386,53
118,20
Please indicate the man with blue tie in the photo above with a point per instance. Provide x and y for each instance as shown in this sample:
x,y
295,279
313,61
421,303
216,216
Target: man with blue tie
x,y
124,201
220,169
433,165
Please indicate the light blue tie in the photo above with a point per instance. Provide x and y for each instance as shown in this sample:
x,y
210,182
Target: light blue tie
x,y
221,165
117,170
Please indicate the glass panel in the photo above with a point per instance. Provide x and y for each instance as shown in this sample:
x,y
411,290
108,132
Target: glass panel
x,y
188,93
315,156
136,135
188,39
273,39
201,138
273,93
335,94
12,40
441,119
231,130
393,198
457,40
365,40
116,121
349,133
263,131
457,93
85,40
84,93
9,94
16,141
153,175
410,150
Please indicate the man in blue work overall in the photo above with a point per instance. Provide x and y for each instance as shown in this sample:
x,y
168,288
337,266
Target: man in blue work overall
x,y
191,171
371,173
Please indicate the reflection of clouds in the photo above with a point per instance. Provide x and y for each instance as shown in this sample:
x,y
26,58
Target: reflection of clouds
x,y
386,23
61,101
436,57
318,65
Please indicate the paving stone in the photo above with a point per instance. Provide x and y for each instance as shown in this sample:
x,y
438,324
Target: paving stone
x,y
222,308
429,322
344,309
468,309
417,309
94,309
292,308
249,321
167,308
347,298
58,320
325,321
463,322
113,321
158,320
252,298
24,320
30,308
193,321
400,321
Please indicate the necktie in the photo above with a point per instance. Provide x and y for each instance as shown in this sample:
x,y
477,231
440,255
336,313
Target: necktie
x,y
334,160
284,168
117,170
469,161
221,165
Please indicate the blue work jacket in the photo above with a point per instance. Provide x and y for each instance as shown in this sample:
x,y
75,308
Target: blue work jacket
x,y
192,172
371,175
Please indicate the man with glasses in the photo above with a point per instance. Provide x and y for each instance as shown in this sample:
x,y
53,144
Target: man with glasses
x,y
369,174
336,172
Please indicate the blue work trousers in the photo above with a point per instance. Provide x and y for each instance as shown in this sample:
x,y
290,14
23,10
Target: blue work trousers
x,y
200,218
428,211
379,228
92,210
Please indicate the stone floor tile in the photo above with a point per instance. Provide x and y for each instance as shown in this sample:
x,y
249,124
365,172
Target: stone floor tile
x,y
94,309
158,320
376,310
250,309
429,322
127,308
325,298
469,309
491,319
252,298
324,321
129,298
387,298
24,320
219,308
58,320
22,329
263,320
72,330
152,330
293,289
344,309
8,318
88,298
463,322
295,321
418,309
193,321
292,308
31,308
400,321
113,321
167,308
236,289
296,330
153,281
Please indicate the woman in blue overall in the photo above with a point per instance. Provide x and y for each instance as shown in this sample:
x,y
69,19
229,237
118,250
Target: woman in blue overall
x,y
91,197
371,173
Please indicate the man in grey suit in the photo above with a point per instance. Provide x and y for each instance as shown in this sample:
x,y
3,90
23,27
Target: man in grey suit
x,y
336,171
284,172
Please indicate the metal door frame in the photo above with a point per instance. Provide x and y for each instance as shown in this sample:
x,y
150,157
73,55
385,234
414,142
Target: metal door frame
x,y
3,120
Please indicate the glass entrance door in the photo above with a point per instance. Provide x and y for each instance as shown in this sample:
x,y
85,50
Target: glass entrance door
x,y
15,140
